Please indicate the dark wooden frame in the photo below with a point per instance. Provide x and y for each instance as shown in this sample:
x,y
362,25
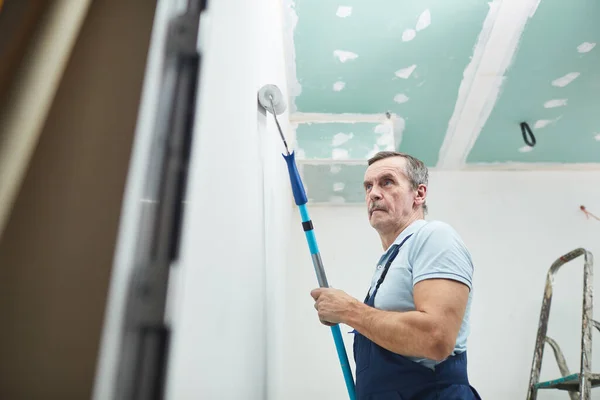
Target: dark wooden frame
x,y
18,22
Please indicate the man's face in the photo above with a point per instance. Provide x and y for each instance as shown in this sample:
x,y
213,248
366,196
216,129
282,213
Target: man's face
x,y
390,197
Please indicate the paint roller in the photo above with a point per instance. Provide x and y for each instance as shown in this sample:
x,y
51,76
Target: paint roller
x,y
271,99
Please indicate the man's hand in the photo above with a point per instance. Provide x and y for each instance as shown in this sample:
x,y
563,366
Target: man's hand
x,y
333,305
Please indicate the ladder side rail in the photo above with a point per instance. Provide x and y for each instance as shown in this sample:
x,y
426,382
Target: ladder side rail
x,y
538,353
585,382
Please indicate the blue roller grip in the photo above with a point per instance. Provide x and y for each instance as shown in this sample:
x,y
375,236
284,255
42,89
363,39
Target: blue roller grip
x,y
301,200
297,187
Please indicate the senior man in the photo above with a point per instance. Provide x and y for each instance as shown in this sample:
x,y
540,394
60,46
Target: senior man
x,y
411,330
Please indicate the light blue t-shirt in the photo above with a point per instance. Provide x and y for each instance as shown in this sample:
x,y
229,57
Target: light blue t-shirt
x,y
435,250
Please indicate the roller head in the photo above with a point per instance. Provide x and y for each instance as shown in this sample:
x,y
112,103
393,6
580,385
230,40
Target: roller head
x,y
268,94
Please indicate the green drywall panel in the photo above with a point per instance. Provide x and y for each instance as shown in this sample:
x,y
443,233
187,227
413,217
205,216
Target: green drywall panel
x,y
341,141
336,183
414,73
557,47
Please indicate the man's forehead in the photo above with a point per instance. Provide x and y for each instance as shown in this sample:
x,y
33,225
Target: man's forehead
x,y
387,166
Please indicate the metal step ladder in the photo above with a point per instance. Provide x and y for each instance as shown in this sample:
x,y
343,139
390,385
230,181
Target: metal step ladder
x,y
578,385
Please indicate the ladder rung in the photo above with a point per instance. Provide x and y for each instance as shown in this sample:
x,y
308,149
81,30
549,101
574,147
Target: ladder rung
x,y
569,382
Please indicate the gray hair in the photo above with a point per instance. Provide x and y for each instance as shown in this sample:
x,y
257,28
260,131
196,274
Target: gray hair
x,y
416,171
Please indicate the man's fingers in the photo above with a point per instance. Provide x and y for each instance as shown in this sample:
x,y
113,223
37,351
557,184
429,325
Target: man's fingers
x,y
315,293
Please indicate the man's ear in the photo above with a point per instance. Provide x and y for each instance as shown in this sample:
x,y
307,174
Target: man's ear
x,y
421,194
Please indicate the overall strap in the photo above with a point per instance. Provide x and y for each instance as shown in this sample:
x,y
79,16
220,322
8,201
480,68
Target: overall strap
x,y
393,254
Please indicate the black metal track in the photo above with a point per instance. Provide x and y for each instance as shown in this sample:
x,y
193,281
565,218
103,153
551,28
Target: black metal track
x,y
145,341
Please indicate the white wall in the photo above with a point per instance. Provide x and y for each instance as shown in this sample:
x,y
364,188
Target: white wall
x,y
515,224
237,219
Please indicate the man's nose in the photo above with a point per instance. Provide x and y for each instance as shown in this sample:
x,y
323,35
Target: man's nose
x,y
375,194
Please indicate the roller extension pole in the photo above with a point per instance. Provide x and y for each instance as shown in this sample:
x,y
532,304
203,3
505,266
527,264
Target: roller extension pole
x,y
301,200
271,99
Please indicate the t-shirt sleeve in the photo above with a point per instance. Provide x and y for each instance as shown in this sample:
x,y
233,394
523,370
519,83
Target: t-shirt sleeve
x,y
440,253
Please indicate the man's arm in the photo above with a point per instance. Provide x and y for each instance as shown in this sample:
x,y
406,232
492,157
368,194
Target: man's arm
x,y
442,274
428,332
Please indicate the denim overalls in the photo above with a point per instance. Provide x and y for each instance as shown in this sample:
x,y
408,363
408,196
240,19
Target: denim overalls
x,y
384,375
